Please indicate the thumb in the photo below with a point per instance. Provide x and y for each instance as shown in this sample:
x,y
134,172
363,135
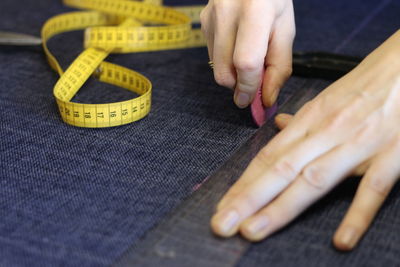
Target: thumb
x,y
282,120
278,61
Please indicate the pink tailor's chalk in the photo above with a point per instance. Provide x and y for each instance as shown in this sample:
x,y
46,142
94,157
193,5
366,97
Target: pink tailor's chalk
x,y
260,113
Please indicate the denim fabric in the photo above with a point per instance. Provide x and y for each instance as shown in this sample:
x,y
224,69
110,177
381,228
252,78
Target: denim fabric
x,y
81,197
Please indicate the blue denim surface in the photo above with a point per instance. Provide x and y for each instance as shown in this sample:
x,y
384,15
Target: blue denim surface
x,y
81,197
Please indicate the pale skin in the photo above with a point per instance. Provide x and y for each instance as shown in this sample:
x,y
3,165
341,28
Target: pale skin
x,y
241,46
352,127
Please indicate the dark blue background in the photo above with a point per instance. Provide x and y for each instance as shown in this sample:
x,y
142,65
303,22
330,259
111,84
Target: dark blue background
x,y
74,197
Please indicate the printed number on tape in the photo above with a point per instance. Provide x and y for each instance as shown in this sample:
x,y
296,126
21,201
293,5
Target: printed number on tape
x,y
116,26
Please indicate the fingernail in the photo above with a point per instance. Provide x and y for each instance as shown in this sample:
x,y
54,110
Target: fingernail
x,y
257,225
242,100
228,220
349,236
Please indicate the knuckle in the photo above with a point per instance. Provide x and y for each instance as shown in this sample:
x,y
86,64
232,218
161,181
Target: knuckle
x,y
284,169
337,119
314,176
264,157
246,64
360,96
346,115
365,135
224,78
379,185
203,17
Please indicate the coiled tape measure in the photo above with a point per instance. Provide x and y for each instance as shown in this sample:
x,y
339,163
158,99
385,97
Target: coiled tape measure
x,y
116,26
127,26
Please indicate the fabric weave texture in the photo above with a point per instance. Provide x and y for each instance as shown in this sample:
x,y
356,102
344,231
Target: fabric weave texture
x,y
81,197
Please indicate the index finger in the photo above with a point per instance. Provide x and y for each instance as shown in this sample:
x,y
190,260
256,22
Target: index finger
x,y
250,50
272,180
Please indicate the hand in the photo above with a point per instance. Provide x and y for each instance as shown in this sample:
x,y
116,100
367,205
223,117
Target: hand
x,y
244,37
352,126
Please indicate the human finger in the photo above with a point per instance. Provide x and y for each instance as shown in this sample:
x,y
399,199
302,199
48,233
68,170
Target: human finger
x,y
225,18
250,50
207,28
270,183
278,61
315,180
279,175
374,188
286,139
282,120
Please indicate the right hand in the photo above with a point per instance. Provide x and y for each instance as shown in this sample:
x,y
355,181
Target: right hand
x,y
246,38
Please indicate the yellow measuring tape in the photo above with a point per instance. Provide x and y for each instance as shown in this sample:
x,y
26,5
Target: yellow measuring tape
x,y
116,26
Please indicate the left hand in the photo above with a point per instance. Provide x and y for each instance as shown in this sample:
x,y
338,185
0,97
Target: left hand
x,y
353,125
